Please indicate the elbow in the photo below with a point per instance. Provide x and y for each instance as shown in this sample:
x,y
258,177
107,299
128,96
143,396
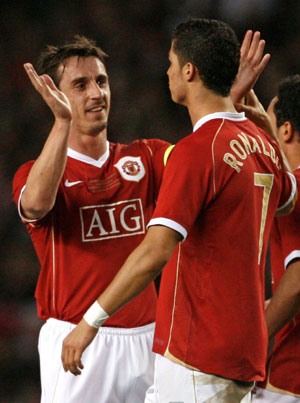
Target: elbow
x,y
32,209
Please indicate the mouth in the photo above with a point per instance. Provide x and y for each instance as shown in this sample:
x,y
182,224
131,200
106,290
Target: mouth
x,y
98,108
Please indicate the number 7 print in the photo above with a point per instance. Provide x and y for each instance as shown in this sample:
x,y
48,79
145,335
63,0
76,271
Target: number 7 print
x,y
265,180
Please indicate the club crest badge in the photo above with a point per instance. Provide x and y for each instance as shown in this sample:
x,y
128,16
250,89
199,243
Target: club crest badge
x,y
131,168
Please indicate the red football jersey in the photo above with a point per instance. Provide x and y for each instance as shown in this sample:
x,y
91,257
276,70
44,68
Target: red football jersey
x,y
283,367
99,217
222,186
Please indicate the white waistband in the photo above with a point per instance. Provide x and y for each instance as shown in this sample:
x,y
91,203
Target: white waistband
x,y
104,329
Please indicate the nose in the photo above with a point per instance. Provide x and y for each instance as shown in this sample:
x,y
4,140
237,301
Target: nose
x,y
95,91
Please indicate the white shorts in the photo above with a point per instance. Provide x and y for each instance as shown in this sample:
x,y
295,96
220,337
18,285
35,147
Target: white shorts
x,y
174,383
265,396
118,365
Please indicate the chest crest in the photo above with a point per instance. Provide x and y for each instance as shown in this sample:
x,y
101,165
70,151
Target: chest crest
x,y
131,168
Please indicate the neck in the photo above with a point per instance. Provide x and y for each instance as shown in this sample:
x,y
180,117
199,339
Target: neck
x,y
293,157
202,102
93,146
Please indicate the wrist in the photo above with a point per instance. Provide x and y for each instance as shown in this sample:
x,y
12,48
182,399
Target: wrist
x,y
63,122
95,315
236,96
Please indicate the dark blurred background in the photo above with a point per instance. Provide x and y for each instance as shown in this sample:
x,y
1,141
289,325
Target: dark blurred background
x,y
136,35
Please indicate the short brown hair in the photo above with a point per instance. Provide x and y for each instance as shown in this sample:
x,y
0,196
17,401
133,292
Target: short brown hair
x,y
212,47
53,56
287,106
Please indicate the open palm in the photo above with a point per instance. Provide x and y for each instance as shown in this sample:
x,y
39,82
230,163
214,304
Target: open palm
x,y
55,99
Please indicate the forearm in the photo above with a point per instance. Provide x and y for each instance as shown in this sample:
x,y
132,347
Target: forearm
x,y
285,303
138,271
141,267
46,173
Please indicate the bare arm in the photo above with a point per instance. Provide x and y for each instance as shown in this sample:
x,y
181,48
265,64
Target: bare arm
x,y
141,267
285,303
46,173
252,63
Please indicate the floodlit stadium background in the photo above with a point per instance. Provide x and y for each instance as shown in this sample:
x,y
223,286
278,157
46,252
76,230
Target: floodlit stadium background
x,y
136,36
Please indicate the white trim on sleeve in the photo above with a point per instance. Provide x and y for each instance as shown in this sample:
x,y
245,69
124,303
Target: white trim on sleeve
x,y
166,222
19,208
293,255
294,189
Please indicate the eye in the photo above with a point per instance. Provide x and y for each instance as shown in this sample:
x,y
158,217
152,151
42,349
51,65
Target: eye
x,y
101,81
80,85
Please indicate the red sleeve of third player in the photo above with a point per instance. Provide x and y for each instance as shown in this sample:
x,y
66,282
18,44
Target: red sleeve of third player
x,y
289,230
185,188
288,182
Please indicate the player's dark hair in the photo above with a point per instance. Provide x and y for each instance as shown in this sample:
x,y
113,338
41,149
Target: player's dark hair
x,y
288,105
53,56
212,47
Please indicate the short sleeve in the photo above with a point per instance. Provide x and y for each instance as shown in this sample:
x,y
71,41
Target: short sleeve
x,y
288,227
185,188
19,184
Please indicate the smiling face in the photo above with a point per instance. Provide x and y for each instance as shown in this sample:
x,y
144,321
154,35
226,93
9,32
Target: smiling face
x,y
85,82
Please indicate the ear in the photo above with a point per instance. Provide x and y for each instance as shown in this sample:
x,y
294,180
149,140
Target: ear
x,y
189,71
286,131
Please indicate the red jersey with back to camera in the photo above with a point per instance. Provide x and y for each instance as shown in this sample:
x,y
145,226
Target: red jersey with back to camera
x,y
221,188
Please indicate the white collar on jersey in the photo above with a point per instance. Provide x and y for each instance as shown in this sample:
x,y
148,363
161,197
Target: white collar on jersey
x,y
220,115
88,160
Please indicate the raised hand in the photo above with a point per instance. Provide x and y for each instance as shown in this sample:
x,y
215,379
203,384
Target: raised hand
x,y
55,99
252,63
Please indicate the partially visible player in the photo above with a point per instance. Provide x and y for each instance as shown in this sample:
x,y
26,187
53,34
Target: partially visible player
x,y
221,188
86,202
282,383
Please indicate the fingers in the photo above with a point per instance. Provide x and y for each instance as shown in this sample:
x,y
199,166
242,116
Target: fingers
x,y
74,345
40,83
33,76
263,63
256,44
55,99
71,359
252,49
48,81
246,43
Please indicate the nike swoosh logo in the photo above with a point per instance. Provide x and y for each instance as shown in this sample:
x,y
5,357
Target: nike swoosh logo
x,y
69,184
